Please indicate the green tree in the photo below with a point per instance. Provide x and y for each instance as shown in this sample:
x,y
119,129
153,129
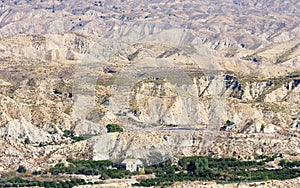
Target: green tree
x,y
283,163
27,140
228,122
262,128
114,128
21,169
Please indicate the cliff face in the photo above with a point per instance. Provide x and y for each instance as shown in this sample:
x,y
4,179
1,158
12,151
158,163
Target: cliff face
x,y
54,47
160,118
182,125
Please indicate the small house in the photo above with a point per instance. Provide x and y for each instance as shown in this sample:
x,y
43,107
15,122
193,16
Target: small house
x,y
228,128
133,165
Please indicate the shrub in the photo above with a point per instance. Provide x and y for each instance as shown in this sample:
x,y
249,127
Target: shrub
x,y
27,140
114,128
262,128
21,169
228,122
68,133
35,172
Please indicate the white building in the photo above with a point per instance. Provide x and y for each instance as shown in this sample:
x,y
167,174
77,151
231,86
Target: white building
x,y
133,165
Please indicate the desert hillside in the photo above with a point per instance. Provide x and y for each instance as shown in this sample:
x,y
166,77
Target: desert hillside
x,y
181,78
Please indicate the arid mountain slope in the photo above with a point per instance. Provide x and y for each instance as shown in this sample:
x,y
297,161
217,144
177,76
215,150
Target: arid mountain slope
x,y
171,73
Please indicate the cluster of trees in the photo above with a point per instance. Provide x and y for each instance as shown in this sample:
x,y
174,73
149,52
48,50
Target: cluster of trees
x,y
114,128
196,168
221,164
18,182
276,174
105,168
69,133
289,164
220,169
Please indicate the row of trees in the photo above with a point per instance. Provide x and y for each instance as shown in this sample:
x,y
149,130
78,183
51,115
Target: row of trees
x,y
219,169
187,169
105,168
289,164
18,182
69,133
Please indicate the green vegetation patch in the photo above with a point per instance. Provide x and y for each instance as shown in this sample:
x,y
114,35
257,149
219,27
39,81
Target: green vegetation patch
x,y
133,55
105,168
287,55
114,128
195,168
222,170
19,182
69,133
253,57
